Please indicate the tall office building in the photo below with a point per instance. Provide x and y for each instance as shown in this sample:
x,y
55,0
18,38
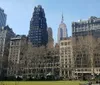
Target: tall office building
x,y
50,38
5,34
62,30
38,28
3,18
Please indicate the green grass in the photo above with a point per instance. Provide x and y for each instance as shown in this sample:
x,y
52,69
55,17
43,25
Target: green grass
x,y
41,82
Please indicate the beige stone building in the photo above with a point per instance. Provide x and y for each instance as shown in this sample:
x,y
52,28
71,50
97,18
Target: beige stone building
x,y
66,58
17,49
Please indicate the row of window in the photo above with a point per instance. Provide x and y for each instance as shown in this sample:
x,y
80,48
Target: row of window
x,y
15,43
65,43
67,66
66,56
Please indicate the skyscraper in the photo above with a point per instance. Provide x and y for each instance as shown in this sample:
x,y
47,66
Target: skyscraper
x,y
3,17
38,28
50,38
62,30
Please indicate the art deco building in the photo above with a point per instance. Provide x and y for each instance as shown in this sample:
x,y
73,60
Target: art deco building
x,y
5,34
66,58
38,28
62,31
50,38
3,18
18,48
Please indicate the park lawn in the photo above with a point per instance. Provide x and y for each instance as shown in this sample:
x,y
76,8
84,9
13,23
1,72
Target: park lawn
x,y
41,82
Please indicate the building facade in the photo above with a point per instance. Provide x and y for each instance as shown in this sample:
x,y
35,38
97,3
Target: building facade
x,y
86,35
5,34
62,31
50,38
66,58
38,28
39,63
17,53
86,27
3,18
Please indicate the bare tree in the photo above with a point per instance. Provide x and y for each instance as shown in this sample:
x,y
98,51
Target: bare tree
x,y
81,53
39,60
84,48
93,46
34,60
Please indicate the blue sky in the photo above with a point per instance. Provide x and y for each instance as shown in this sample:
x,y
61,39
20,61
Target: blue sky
x,y
19,12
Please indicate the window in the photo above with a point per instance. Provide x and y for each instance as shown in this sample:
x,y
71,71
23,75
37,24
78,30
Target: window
x,y
62,56
61,43
12,43
68,43
65,43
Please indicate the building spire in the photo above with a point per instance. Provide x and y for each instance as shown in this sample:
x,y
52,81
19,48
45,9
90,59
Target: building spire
x,y
62,18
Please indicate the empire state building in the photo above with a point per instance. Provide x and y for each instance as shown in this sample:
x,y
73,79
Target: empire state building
x,y
62,30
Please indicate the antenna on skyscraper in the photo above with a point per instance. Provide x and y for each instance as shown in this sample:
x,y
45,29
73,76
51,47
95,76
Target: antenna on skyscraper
x,y
62,18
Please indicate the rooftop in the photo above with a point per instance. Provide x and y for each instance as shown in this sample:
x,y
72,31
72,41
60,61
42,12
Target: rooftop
x,y
1,9
89,20
18,37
